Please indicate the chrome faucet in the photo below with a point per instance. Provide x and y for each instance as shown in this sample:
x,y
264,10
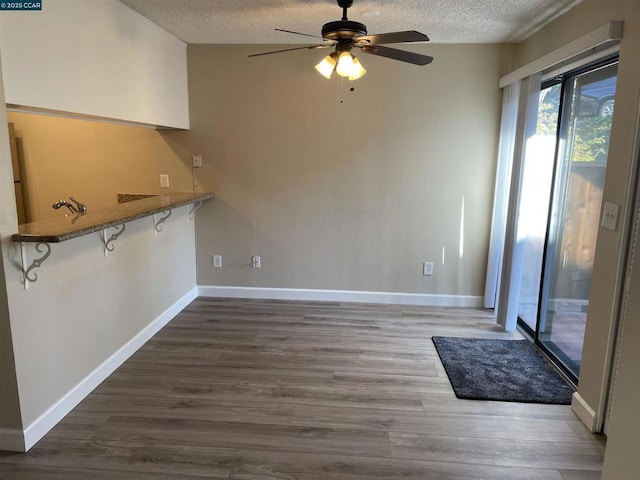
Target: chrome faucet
x,y
78,208
64,203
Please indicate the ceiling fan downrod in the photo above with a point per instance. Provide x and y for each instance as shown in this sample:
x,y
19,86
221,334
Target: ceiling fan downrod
x,y
343,29
345,5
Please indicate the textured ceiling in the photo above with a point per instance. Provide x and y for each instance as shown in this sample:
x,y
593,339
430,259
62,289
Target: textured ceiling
x,y
445,21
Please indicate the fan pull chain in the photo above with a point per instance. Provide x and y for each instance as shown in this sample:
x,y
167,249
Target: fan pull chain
x,y
352,89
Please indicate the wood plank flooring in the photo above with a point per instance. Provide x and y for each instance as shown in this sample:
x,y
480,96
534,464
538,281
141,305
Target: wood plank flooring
x,y
243,389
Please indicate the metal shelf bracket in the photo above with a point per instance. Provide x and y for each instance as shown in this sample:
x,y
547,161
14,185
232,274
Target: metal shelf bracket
x,y
157,223
192,209
108,242
28,275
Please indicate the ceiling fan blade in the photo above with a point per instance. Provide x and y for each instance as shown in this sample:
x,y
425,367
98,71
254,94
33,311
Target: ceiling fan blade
x,y
309,47
395,54
393,37
297,33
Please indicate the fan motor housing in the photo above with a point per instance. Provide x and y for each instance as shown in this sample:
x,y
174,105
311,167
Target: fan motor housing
x,y
343,29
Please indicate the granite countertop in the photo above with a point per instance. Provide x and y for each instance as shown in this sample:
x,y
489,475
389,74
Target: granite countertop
x,y
73,226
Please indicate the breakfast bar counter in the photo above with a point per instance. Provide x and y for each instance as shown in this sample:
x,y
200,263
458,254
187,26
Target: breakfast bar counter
x,y
79,224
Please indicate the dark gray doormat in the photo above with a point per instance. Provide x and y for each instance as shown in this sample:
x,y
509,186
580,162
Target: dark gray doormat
x,y
503,370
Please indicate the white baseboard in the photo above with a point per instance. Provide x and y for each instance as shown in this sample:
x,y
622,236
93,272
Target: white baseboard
x,y
340,296
12,440
39,427
584,412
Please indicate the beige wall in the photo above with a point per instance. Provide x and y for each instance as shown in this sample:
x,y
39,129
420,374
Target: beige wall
x,y
93,161
582,19
622,461
353,195
606,281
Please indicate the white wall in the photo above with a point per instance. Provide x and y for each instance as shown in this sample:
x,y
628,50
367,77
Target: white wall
x,y
10,418
85,314
78,321
85,307
96,58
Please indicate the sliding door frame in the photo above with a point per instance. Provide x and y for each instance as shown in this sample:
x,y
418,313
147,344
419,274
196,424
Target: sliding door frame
x,y
559,183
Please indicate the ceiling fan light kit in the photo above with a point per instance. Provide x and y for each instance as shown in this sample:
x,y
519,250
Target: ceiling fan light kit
x,y
327,65
346,34
357,70
347,66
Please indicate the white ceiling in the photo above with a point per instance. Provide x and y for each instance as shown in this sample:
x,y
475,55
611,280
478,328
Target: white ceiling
x,y
444,21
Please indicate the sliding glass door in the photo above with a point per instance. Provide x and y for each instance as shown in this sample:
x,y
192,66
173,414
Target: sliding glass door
x,y
560,203
533,212
575,213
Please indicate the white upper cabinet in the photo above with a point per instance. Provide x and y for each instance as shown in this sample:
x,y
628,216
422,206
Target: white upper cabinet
x,y
96,58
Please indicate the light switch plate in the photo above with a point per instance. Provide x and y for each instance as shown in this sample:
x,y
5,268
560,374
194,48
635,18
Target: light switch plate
x,y
610,216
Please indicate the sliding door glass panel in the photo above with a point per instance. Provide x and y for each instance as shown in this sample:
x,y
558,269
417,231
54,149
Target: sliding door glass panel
x,y
580,170
535,193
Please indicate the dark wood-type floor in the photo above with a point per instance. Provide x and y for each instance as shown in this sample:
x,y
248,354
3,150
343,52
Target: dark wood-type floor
x,y
295,390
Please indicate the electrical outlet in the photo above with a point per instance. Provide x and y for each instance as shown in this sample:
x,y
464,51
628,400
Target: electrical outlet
x,y
255,261
197,161
164,181
427,269
217,261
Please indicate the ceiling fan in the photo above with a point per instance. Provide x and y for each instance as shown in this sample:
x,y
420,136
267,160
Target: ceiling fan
x,y
345,35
